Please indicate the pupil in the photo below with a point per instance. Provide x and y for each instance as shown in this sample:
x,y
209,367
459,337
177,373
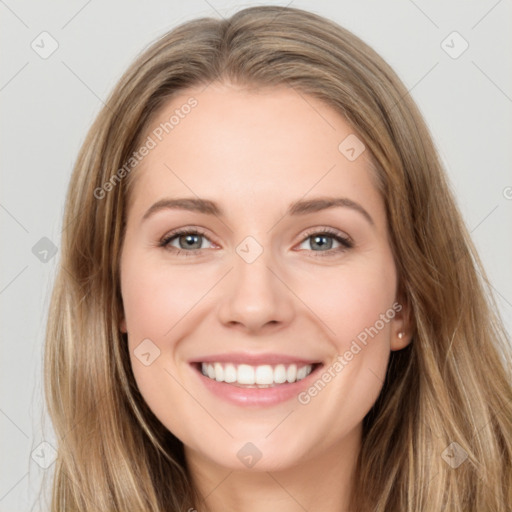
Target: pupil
x,y
190,240
322,244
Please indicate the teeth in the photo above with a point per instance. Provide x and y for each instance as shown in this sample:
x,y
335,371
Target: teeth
x,y
280,374
301,373
219,372
291,373
264,375
255,376
245,374
230,373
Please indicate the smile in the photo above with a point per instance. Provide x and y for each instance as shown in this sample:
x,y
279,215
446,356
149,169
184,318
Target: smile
x,y
260,376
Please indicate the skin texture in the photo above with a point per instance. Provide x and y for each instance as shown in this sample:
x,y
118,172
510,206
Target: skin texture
x,y
254,152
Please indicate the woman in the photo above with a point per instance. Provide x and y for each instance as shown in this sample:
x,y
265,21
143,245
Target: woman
x,y
250,372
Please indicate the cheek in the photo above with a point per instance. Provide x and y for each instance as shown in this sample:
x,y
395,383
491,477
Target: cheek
x,y
353,301
160,301
156,297
356,307
155,300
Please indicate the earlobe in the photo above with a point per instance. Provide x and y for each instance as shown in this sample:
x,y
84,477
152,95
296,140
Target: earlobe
x,y
122,326
400,340
402,329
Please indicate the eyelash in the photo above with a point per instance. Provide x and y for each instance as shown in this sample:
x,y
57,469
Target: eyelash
x,y
346,243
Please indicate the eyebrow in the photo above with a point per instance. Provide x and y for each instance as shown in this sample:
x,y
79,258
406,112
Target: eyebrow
x,y
301,207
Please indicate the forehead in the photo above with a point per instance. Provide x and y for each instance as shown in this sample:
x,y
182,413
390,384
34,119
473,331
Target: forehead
x,y
249,145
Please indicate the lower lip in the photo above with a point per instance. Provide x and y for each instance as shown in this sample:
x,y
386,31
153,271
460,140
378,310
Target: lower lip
x,y
257,396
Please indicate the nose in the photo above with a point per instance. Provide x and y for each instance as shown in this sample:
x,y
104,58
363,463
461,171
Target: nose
x,y
256,296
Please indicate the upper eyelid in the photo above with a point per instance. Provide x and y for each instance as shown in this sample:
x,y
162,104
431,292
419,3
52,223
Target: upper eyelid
x,y
185,231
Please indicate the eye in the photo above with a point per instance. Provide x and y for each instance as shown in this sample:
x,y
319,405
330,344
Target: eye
x,y
324,240
189,241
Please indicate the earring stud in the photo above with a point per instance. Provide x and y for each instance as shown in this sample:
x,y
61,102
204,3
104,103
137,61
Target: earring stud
x,y
401,335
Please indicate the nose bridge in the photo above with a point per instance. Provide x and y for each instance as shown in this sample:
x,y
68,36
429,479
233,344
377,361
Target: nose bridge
x,y
252,264
256,296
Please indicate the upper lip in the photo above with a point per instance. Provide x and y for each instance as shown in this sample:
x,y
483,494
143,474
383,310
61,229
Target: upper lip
x,y
253,359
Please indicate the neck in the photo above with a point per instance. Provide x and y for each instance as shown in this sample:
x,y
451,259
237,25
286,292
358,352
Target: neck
x,y
322,482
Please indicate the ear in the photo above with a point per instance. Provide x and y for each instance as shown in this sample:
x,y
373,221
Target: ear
x,y
122,325
402,325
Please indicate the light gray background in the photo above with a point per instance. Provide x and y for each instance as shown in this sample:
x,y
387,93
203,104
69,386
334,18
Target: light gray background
x,y
48,104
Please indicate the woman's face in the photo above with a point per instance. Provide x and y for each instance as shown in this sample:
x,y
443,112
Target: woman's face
x,y
282,271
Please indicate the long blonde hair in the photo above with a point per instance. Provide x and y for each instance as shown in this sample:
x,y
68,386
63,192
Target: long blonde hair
x,y
447,396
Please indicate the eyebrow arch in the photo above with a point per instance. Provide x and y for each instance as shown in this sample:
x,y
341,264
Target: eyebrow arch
x,y
301,207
